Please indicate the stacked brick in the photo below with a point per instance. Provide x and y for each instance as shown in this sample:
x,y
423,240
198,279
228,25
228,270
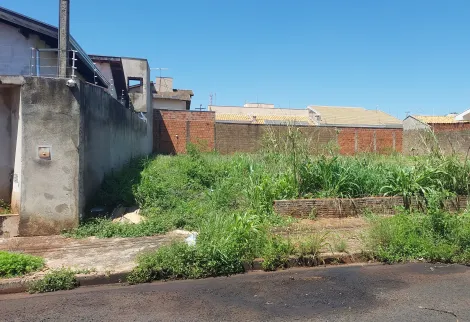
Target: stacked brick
x,y
173,130
341,207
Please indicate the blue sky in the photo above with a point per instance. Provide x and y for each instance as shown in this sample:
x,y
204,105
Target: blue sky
x,y
399,56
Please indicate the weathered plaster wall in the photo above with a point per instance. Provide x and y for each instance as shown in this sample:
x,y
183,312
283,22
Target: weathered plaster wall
x,y
167,104
15,53
112,133
89,134
105,69
138,68
50,189
9,107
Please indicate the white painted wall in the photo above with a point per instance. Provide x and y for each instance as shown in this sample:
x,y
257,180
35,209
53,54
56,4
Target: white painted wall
x,y
167,104
15,53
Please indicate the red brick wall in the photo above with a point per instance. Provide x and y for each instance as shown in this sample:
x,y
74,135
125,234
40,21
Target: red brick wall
x,y
360,140
338,207
173,130
450,127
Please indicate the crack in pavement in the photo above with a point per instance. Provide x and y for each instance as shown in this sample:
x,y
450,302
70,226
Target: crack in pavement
x,y
441,311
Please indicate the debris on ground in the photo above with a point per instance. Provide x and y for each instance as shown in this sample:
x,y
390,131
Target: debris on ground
x,y
127,215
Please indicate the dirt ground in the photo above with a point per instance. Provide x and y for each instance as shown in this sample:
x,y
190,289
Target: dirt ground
x,y
342,235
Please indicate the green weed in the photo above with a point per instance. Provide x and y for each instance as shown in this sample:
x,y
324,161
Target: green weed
x,y
15,264
61,279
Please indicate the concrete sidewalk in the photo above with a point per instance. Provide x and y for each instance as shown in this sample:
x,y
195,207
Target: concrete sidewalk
x,y
97,255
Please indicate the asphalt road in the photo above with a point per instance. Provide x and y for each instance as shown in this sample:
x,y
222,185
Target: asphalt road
x,y
410,292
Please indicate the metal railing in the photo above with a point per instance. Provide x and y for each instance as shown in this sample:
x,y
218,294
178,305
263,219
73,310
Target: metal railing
x,y
34,62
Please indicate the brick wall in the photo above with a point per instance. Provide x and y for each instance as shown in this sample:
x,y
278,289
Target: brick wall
x,y
173,130
447,138
231,138
362,140
339,208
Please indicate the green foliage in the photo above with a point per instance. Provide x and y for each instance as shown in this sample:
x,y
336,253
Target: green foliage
x,y
340,245
5,207
276,253
312,245
118,187
61,279
15,264
223,243
433,236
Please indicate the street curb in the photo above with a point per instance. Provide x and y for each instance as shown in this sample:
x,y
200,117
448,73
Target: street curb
x,y
20,285
312,261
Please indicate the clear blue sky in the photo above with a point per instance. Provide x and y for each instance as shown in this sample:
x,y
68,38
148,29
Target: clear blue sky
x,y
400,55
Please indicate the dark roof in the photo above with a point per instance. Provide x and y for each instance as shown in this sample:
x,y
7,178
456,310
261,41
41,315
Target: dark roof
x,y
177,94
117,70
49,34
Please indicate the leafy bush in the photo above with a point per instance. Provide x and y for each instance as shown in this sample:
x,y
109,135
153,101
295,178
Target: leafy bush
x,y
223,243
276,253
434,236
61,279
14,264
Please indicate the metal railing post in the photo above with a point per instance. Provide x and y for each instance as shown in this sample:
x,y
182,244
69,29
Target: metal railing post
x,y
31,60
74,59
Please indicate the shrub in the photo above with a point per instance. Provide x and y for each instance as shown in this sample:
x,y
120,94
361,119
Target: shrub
x,y
276,253
61,279
437,236
223,243
14,264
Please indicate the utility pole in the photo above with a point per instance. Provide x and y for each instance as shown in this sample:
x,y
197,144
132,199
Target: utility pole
x,y
64,36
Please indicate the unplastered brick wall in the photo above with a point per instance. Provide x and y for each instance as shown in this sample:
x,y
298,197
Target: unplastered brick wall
x,y
446,138
173,130
352,140
342,207
248,138
231,138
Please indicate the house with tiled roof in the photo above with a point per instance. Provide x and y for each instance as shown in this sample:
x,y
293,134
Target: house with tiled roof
x,y
452,121
256,113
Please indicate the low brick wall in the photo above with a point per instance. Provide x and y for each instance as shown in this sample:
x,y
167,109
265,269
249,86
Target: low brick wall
x,y
339,207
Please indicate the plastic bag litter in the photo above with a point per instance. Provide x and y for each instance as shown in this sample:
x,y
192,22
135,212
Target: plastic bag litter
x,y
191,239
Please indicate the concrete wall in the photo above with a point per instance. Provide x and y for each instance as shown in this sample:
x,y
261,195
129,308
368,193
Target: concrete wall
x,y
112,133
410,123
15,53
173,130
50,188
9,116
139,68
88,134
167,104
105,69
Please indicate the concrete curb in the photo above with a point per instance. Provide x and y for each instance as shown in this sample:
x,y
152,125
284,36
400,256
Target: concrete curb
x,y
20,285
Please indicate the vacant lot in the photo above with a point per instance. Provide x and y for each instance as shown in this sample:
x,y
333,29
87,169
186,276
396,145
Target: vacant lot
x,y
229,201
